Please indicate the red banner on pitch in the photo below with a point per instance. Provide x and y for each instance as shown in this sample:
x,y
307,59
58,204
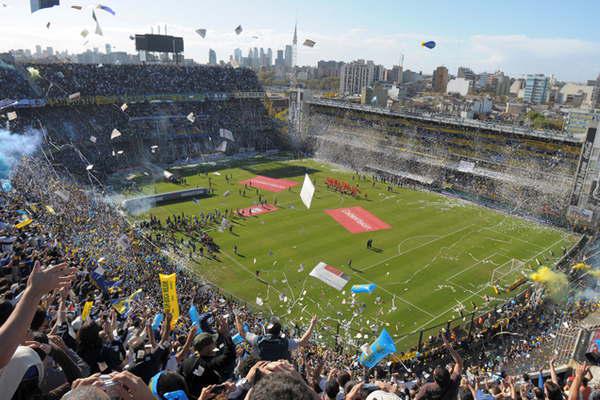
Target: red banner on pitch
x,y
269,184
357,220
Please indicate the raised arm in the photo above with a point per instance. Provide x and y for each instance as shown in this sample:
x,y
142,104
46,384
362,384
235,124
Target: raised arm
x,y
41,281
182,354
553,375
580,372
304,339
458,361
166,328
239,325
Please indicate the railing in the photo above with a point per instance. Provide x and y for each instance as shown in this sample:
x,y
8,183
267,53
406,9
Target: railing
x,y
168,97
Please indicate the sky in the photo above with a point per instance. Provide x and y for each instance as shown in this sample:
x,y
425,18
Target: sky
x,y
518,37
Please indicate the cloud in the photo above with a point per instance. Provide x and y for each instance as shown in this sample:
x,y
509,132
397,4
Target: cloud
x,y
568,58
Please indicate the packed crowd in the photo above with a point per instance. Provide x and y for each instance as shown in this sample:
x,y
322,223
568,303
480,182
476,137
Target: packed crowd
x,y
150,132
507,187
129,80
13,83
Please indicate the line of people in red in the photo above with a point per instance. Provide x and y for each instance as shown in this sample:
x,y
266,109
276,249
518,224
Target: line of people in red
x,y
342,187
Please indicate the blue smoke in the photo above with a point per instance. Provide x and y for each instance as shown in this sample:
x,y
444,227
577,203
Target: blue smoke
x,y
12,147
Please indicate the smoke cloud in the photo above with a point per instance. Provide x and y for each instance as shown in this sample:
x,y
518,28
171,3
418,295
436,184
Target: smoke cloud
x,y
553,280
13,146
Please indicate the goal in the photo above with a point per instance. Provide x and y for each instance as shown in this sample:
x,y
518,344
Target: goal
x,y
505,274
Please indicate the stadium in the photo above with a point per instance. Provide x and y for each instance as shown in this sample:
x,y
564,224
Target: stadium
x,y
178,207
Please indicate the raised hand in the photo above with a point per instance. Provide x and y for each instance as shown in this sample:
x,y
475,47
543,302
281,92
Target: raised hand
x,y
55,277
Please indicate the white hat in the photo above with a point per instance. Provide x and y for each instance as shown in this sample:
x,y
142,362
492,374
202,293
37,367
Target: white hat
x,y
381,395
12,374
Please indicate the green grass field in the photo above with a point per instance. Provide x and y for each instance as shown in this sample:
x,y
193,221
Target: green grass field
x,y
439,254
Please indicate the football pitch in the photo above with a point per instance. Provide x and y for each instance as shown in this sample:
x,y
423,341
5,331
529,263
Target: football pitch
x,y
439,254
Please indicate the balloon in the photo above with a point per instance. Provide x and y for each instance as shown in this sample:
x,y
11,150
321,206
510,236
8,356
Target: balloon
x,y
430,44
368,288
378,350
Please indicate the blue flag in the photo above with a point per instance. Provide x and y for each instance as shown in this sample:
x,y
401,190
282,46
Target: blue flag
x,y
39,4
158,319
98,277
195,317
237,339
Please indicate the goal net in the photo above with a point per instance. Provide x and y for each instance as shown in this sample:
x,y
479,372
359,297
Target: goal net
x,y
507,274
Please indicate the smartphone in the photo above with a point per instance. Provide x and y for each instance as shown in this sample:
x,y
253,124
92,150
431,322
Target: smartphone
x,y
218,389
109,387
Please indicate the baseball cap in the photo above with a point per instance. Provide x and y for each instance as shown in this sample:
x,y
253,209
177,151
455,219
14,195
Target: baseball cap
x,y
203,339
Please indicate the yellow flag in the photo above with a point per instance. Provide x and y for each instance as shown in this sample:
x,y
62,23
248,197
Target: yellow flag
x,y
50,210
87,308
169,294
23,224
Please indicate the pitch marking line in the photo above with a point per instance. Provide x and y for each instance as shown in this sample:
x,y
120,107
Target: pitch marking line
x,y
414,237
472,295
512,237
396,296
415,248
473,265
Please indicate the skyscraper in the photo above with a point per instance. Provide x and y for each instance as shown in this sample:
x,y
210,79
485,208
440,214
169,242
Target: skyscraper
x,y
328,68
108,48
212,57
467,73
537,88
289,61
280,61
295,46
394,74
355,76
502,85
440,79
378,73
269,57
237,56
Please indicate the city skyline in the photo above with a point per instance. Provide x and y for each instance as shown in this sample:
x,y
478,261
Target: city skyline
x,y
564,46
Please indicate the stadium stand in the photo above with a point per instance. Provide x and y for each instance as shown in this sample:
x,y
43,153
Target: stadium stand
x,y
170,112
524,171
